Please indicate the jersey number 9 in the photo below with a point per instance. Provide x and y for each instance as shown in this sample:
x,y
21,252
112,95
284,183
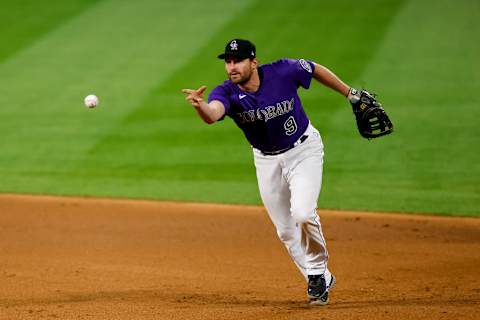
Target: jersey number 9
x,y
290,126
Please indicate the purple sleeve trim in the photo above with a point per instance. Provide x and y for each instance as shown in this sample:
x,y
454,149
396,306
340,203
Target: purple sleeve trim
x,y
307,68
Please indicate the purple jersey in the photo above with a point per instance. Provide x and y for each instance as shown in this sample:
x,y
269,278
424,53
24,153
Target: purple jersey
x,y
272,118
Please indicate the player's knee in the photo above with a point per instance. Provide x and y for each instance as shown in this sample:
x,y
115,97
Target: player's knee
x,y
302,214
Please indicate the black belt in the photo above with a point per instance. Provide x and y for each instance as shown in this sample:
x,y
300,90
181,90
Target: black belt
x,y
274,153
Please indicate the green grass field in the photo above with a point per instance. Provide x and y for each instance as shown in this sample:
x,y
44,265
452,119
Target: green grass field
x,y
144,141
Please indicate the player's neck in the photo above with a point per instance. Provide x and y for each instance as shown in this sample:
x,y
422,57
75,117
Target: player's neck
x,y
252,84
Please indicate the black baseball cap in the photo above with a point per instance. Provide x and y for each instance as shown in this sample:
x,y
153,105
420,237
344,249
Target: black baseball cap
x,y
239,48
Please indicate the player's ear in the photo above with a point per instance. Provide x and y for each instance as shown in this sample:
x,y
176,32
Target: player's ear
x,y
254,63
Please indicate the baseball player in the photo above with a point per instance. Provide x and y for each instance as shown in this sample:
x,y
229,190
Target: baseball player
x,y
287,149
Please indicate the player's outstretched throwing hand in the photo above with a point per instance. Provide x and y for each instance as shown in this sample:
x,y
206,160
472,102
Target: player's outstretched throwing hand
x,y
195,97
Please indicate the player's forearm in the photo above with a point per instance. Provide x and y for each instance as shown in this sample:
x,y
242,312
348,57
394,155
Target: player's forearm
x,y
210,112
206,113
329,79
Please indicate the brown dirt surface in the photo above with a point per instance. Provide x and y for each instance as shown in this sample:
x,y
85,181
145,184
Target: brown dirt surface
x,y
77,258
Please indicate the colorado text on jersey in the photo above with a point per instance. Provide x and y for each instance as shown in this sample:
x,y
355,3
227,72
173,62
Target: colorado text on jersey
x,y
267,113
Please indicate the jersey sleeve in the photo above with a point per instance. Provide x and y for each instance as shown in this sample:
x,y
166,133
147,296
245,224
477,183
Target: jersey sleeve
x,y
300,71
219,93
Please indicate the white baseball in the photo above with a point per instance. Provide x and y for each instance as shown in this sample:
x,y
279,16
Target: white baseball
x,y
91,101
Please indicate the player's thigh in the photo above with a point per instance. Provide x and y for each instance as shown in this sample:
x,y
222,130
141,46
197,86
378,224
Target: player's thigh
x,y
274,191
305,185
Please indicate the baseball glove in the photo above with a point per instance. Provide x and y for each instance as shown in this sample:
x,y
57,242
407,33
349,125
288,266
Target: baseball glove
x,y
372,120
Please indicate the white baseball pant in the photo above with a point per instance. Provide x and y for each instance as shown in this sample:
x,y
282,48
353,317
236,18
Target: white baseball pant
x,y
289,185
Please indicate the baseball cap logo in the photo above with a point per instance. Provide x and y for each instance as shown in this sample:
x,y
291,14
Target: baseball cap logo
x,y
238,48
233,45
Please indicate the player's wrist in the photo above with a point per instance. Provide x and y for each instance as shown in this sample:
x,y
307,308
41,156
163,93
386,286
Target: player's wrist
x,y
353,95
201,105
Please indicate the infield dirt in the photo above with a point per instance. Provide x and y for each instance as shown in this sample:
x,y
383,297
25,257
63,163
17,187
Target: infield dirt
x,y
77,258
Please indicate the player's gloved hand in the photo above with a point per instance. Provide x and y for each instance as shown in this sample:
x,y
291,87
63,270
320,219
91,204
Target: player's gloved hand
x,y
372,120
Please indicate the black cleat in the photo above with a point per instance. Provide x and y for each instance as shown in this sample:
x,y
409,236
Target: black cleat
x,y
318,290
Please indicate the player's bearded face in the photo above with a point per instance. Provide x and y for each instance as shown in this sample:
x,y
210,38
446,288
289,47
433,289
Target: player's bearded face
x,y
239,71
